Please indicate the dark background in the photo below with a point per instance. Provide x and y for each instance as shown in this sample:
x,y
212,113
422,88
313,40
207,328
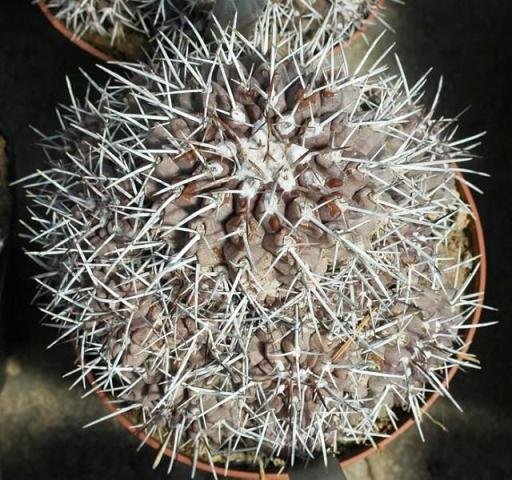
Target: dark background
x,y
469,42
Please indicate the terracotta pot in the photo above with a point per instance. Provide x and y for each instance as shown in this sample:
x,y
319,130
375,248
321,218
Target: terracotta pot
x,y
88,47
355,454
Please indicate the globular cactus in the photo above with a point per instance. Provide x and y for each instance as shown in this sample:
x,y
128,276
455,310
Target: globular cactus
x,y
298,22
259,258
314,21
124,28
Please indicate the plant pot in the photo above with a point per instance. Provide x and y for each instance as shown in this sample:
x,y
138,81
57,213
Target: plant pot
x,y
477,245
102,54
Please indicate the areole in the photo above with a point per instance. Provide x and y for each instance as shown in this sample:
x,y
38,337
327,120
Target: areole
x,y
477,241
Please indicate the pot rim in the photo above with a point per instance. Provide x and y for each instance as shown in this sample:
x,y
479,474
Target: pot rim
x,y
61,28
477,242
96,52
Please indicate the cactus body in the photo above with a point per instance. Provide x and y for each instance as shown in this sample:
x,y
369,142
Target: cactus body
x,y
261,259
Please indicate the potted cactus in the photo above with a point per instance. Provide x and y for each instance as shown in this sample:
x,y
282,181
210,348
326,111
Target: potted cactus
x,y
121,29
259,259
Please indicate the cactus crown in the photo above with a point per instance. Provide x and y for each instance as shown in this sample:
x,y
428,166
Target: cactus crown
x,y
261,256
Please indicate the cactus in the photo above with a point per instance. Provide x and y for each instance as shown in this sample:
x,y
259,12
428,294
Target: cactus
x,y
315,21
120,21
106,18
258,259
